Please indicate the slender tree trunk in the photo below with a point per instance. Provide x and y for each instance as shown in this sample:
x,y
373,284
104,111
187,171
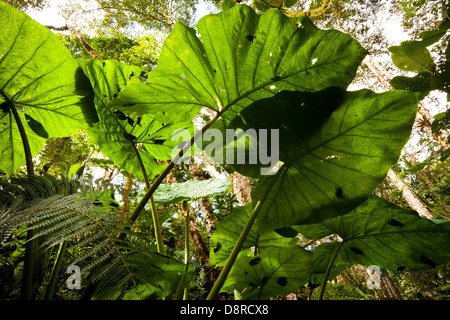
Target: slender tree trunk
x,y
80,37
410,197
127,189
241,186
200,247
205,204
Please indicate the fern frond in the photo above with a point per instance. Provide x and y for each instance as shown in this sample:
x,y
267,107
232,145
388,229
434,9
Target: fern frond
x,y
83,216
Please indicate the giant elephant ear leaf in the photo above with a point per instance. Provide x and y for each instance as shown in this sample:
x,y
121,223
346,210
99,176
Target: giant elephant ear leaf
x,y
190,190
229,229
383,234
117,134
275,271
334,169
238,58
41,81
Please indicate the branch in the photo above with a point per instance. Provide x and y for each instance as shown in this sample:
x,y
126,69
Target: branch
x,y
80,37
310,13
410,197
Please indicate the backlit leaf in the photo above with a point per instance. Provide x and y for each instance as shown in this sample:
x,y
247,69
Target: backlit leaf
x,y
238,58
383,234
275,271
39,78
339,165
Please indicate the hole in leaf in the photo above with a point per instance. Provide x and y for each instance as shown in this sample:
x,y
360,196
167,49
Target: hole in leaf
x,y
287,232
158,141
250,38
395,223
255,261
120,115
282,281
218,247
356,250
264,279
143,74
401,268
339,193
428,261
170,243
5,107
131,75
129,136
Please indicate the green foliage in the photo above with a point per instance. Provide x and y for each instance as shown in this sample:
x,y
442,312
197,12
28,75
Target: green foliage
x,y
229,229
382,234
337,167
241,57
86,218
190,190
275,271
256,72
118,134
28,4
36,91
142,51
147,13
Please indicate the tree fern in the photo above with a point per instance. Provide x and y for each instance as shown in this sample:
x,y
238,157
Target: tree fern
x,y
86,218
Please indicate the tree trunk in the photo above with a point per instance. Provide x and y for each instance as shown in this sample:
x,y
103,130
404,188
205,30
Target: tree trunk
x,y
241,186
205,205
80,37
410,197
200,247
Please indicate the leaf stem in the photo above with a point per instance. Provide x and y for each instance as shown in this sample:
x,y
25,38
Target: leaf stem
x,y
237,248
23,136
155,218
186,251
31,247
327,273
50,288
170,166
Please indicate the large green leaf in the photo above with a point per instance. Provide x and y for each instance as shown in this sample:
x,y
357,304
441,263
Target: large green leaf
x,y
39,78
274,271
190,190
118,134
293,117
412,56
229,229
383,234
238,58
337,167
155,275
